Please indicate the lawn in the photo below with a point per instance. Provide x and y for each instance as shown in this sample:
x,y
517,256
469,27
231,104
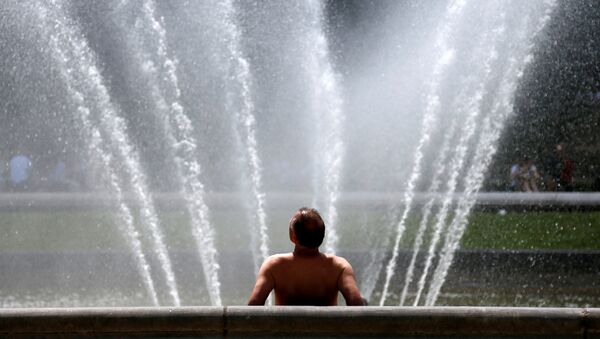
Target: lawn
x,y
534,230
97,230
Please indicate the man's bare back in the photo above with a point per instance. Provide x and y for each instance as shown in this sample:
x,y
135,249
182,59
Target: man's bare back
x,y
305,277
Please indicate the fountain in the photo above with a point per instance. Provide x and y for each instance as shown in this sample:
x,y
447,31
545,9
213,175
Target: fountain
x,y
191,131
162,74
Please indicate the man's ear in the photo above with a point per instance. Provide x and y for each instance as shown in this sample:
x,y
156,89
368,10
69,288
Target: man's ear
x,y
292,235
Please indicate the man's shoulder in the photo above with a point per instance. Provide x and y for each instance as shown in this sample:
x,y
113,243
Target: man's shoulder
x,y
276,259
337,260
288,258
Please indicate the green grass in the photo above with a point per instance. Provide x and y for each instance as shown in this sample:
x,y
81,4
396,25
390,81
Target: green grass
x,y
52,231
76,231
534,230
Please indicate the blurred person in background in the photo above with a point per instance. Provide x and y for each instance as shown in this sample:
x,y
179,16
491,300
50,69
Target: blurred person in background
x,y
19,170
529,176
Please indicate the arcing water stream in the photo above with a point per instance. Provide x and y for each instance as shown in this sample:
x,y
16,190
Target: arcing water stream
x,y
162,73
86,88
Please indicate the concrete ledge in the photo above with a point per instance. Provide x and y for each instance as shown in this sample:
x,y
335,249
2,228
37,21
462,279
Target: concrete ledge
x,y
79,201
58,322
240,321
591,322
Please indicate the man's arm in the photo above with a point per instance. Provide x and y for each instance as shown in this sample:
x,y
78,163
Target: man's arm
x,y
264,284
347,285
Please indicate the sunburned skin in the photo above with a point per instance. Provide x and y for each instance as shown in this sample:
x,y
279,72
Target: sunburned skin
x,y
306,277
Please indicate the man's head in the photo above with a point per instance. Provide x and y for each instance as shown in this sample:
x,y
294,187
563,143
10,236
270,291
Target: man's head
x,y
307,228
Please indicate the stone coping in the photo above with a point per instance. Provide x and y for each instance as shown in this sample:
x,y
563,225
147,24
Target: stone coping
x,y
60,200
300,321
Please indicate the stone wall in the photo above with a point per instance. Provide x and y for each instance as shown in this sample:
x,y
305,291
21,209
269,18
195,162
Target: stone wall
x,y
245,321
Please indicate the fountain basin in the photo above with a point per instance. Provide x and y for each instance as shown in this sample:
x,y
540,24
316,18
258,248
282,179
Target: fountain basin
x,y
477,278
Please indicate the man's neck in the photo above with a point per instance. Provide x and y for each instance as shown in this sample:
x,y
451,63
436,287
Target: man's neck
x,y
306,252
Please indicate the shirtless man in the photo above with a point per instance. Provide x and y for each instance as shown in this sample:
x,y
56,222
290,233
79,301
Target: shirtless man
x,y
306,276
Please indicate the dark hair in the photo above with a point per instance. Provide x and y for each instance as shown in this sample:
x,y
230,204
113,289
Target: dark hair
x,y
308,227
